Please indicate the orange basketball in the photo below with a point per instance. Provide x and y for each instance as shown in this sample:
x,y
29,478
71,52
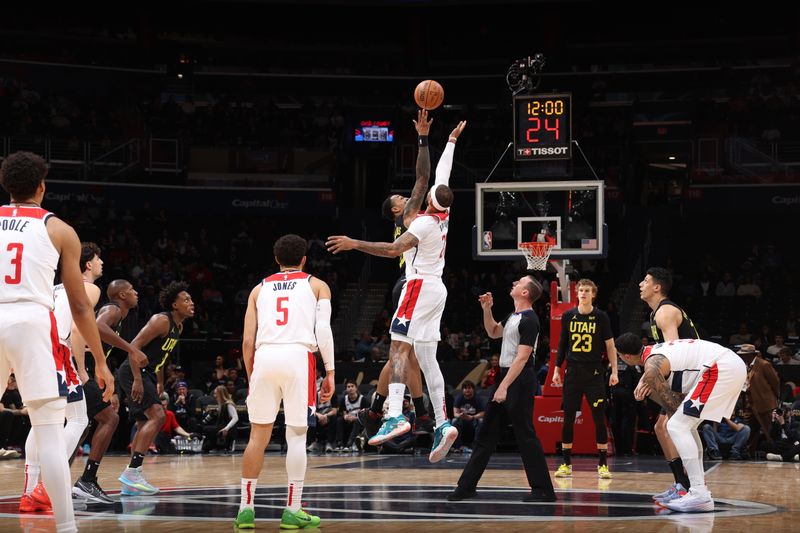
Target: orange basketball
x,y
429,94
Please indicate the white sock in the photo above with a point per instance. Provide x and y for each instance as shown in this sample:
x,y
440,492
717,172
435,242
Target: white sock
x,y
426,355
77,420
31,462
296,460
294,501
248,493
395,399
55,473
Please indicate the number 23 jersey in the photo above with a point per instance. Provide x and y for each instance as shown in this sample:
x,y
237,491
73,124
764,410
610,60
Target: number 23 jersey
x,y
286,310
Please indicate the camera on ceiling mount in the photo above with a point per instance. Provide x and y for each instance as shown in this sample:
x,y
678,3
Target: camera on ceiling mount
x,y
525,74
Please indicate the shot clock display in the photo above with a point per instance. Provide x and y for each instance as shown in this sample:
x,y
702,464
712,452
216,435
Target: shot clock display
x,y
542,127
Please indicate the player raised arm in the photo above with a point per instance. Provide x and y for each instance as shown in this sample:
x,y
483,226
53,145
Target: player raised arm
x,y
414,203
445,165
324,335
66,242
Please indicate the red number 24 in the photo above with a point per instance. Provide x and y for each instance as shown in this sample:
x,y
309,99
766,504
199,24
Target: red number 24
x,y
282,309
17,262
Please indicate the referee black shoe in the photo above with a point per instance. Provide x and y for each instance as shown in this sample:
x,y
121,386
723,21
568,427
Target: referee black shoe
x,y
370,420
91,491
461,494
538,495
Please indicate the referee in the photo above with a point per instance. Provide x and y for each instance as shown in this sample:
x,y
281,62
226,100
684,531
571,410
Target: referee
x,y
585,334
513,397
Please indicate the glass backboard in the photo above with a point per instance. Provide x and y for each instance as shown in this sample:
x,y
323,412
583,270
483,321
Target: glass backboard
x,y
570,212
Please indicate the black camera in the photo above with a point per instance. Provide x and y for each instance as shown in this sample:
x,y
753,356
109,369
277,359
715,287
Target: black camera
x,y
779,411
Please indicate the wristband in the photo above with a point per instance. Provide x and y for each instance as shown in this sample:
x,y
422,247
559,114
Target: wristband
x,y
423,141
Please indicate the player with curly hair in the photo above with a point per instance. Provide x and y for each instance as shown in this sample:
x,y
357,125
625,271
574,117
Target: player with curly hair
x,y
142,386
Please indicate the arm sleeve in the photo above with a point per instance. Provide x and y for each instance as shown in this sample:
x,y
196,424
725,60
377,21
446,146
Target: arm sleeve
x,y
445,165
323,332
562,342
234,416
528,330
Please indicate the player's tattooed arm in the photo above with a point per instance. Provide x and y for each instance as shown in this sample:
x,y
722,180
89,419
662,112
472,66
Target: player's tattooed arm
x,y
414,203
340,243
655,368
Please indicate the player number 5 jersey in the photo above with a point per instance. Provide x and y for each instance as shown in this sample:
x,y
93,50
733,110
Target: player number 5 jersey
x,y
287,310
28,259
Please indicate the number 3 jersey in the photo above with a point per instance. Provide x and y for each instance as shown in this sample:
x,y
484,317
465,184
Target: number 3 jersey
x,y
28,259
287,310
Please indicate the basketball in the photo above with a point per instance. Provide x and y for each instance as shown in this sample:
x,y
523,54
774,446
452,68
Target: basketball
x,y
429,94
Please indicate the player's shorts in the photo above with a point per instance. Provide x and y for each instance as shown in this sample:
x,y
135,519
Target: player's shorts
x,y
74,386
714,397
29,347
282,372
581,379
419,315
136,410
94,398
682,381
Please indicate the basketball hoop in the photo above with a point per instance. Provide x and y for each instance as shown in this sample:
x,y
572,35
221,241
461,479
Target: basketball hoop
x,y
536,254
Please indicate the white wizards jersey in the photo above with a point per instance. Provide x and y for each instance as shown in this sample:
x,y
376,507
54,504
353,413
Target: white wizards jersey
x,y
427,257
689,354
287,310
28,259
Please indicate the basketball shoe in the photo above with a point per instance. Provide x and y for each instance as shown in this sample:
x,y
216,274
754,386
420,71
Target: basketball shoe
x,y
91,491
391,428
564,470
246,519
603,472
443,438
697,500
370,421
298,520
675,491
134,483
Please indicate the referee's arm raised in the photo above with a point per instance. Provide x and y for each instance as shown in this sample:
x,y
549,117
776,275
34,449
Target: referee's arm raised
x,y
493,329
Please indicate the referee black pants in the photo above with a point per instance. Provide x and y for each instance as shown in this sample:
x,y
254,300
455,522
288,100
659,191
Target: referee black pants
x,y
517,409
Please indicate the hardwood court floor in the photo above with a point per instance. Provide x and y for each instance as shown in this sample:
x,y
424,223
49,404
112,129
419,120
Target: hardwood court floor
x,y
201,493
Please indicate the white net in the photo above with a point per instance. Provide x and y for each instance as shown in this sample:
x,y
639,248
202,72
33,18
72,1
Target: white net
x,y
536,254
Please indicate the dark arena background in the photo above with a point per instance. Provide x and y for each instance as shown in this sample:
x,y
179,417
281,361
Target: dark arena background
x,y
185,137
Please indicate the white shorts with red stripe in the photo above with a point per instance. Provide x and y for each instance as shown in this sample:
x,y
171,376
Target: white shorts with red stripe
x,y
419,315
283,372
74,385
715,394
30,348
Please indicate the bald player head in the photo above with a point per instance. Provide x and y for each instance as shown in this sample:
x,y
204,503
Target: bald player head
x,y
122,292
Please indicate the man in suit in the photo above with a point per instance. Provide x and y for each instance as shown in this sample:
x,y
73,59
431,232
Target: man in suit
x,y
763,387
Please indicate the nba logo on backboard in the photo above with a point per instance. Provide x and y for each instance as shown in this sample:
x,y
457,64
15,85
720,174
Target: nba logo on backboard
x,y
487,240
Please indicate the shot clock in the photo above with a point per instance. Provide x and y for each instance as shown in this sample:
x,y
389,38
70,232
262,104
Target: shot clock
x,y
542,127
